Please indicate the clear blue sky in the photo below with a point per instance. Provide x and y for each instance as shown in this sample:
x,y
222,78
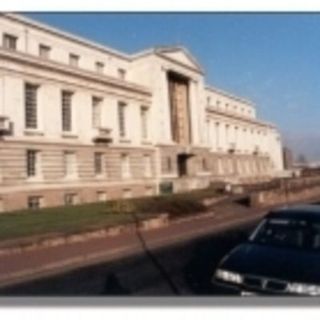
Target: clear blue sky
x,y
272,59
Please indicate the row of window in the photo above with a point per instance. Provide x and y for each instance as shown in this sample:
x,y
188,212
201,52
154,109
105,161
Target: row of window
x,y
226,132
229,108
31,112
9,42
72,198
70,164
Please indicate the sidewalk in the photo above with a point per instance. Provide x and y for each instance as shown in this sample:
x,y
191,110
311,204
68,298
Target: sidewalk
x,y
38,263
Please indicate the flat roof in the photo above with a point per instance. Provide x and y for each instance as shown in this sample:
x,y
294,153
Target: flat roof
x,y
229,95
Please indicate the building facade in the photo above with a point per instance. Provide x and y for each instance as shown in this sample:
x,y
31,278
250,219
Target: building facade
x,y
80,122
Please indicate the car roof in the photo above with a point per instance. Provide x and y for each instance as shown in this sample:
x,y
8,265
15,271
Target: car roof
x,y
299,212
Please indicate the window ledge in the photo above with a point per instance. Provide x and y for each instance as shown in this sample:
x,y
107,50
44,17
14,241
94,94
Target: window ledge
x,y
100,176
146,142
33,132
34,179
69,135
204,173
125,140
71,178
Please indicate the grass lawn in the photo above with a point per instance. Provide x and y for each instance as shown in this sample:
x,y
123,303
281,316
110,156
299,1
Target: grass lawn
x,y
78,218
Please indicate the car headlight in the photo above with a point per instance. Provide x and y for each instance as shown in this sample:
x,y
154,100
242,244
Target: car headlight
x,y
228,276
304,289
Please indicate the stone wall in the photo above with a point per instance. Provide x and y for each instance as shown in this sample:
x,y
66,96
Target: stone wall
x,y
290,191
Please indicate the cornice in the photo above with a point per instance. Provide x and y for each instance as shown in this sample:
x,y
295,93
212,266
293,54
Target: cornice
x,y
73,71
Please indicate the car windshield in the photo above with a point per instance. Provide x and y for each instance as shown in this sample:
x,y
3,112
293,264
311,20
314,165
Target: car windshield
x,y
288,233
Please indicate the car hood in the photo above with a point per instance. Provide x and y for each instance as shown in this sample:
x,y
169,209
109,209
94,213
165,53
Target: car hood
x,y
283,264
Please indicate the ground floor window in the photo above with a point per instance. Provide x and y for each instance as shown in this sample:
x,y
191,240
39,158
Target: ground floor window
x,y
127,193
204,164
35,202
169,164
101,196
149,191
70,199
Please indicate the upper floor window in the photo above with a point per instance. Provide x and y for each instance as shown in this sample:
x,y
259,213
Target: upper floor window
x,y
96,112
99,67
144,122
74,60
122,119
31,118
208,101
10,41
44,51
218,104
66,98
122,74
33,163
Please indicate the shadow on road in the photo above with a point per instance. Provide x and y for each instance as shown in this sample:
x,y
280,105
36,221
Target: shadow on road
x,y
183,269
113,287
205,257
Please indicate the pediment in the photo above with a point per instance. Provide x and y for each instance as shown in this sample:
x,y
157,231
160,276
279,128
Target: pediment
x,y
182,56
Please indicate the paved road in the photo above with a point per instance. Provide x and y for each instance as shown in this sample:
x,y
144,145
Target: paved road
x,y
183,269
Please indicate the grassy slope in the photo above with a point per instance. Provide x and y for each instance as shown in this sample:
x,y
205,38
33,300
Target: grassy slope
x,y
82,217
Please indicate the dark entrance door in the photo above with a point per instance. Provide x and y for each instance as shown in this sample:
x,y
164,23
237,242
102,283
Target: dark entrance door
x,y
182,165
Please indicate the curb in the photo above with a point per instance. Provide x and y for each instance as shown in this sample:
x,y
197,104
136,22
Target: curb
x,y
160,221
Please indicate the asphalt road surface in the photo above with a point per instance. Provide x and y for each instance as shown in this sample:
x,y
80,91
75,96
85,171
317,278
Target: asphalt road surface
x,y
180,270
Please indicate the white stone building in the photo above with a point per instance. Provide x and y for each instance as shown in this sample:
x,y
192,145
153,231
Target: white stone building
x,y
80,122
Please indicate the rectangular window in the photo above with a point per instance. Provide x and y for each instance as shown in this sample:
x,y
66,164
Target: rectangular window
x,y
149,191
66,98
122,74
33,169
96,112
1,205
70,164
122,119
204,165
169,164
99,67
35,202
44,51
30,99
9,42
125,166
127,193
147,166
70,199
101,196
74,60
98,163
144,122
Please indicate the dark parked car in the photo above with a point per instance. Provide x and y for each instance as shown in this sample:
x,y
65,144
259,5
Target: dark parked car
x,y
281,257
